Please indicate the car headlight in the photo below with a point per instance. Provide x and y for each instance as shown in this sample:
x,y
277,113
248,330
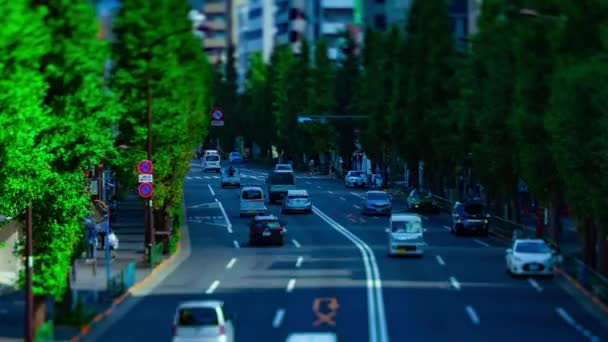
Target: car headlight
x,y
485,221
458,221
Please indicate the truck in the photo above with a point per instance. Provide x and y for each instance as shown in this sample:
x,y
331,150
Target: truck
x,y
278,185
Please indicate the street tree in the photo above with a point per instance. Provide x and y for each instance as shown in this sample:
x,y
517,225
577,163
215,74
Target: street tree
x,y
259,114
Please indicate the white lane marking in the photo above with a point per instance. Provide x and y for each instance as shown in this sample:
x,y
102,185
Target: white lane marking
x,y
485,244
213,286
291,285
455,283
308,183
296,243
188,177
211,189
566,317
472,315
535,285
231,263
440,260
375,301
228,224
318,186
216,177
299,262
330,192
278,318
342,198
447,228
236,244
356,206
197,177
358,195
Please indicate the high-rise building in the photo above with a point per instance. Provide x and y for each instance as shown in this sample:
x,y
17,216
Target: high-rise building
x,y
380,15
218,37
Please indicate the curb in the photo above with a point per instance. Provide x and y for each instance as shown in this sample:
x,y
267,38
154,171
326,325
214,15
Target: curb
x,y
84,330
598,302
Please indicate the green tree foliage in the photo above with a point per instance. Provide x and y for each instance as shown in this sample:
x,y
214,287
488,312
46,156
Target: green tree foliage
x,y
259,113
225,97
347,75
180,84
283,107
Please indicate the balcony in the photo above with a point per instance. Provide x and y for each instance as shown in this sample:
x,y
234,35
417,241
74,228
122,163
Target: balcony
x,y
214,8
337,4
216,25
332,28
214,43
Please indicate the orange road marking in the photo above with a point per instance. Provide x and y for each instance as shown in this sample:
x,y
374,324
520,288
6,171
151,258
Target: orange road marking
x,y
322,317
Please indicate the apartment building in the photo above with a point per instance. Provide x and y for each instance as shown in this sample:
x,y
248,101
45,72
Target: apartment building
x,y
381,14
218,37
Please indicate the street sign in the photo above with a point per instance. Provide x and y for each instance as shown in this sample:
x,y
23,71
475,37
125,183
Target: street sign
x,y
145,167
217,117
145,190
145,178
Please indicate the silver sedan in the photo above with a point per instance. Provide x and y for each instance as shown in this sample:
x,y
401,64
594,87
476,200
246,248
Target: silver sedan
x,y
297,200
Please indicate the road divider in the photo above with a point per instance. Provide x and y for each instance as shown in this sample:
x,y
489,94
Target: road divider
x,y
472,314
378,331
440,260
278,318
213,287
535,285
231,263
296,243
228,223
299,262
455,284
291,284
572,322
211,190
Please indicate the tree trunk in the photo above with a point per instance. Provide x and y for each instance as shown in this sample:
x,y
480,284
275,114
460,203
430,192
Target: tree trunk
x,y
39,311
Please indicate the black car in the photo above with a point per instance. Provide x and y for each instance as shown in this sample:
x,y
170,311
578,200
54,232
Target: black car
x,y
422,201
470,217
266,229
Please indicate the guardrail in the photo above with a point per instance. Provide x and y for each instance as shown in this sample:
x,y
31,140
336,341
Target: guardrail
x,y
590,279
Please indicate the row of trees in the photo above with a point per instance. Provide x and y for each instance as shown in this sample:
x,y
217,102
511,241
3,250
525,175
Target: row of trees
x,y
521,100
57,118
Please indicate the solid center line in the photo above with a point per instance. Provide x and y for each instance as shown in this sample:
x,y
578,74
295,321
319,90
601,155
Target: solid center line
x,y
455,283
213,286
535,285
342,198
299,262
472,315
291,284
296,243
440,260
211,189
330,192
278,318
231,263
236,244
356,206
485,244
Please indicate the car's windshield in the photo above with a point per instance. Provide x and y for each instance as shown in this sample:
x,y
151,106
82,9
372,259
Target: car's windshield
x,y
474,208
283,167
235,154
355,174
212,158
377,196
272,224
252,195
411,227
532,247
282,178
196,317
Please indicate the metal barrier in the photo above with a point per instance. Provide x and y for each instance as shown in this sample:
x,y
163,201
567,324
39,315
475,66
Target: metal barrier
x,y
156,254
46,332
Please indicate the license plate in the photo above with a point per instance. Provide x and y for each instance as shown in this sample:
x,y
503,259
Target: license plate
x,y
252,211
266,234
533,267
402,250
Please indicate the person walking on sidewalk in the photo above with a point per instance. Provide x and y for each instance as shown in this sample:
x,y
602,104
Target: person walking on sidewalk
x,y
91,237
113,242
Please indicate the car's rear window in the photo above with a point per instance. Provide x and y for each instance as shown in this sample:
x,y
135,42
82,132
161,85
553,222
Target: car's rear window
x,y
377,197
272,224
252,195
282,178
532,247
474,208
212,158
196,317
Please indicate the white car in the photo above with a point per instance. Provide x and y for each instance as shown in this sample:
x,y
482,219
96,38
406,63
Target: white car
x,y
406,235
530,257
355,178
283,168
211,162
203,321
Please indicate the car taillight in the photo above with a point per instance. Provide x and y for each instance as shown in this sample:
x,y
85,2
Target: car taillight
x,y
277,229
222,329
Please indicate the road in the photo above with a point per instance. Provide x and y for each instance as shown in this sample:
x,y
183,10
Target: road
x,y
458,290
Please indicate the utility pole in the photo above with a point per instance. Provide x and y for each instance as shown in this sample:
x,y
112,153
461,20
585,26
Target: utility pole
x,y
29,265
149,209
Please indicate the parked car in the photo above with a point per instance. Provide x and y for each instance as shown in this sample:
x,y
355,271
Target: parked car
x,y
252,201
470,217
422,201
406,235
377,203
355,179
297,200
266,229
235,158
231,176
530,257
203,321
283,168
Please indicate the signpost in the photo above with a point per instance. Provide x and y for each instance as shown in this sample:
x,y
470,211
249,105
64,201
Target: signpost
x,y
146,178
217,117
145,190
145,168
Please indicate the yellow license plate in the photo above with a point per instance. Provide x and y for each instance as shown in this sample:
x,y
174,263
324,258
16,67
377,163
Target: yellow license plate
x,y
402,250
252,211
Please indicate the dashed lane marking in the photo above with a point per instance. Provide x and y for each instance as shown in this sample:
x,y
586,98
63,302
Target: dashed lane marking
x,y
535,285
211,189
278,318
299,262
296,243
472,314
455,283
236,244
231,263
447,228
291,285
213,286
440,260
585,332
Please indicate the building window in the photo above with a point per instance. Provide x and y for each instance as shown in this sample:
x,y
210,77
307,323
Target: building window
x,y
380,21
294,36
256,13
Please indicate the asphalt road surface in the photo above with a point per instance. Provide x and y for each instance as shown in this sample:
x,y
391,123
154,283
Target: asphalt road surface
x,y
333,274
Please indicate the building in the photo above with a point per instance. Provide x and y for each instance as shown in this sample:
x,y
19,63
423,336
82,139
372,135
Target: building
x,y
380,15
218,36
256,33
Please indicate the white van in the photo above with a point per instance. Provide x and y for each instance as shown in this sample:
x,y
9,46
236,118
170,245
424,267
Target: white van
x,y
211,162
252,201
406,235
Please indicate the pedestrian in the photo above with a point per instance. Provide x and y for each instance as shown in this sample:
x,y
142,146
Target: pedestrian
x,y
113,243
91,237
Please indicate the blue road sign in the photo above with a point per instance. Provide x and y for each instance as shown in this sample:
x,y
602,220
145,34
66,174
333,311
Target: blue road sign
x,y
145,190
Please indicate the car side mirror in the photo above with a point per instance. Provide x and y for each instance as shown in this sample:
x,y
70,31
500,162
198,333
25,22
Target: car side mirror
x,y
509,250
